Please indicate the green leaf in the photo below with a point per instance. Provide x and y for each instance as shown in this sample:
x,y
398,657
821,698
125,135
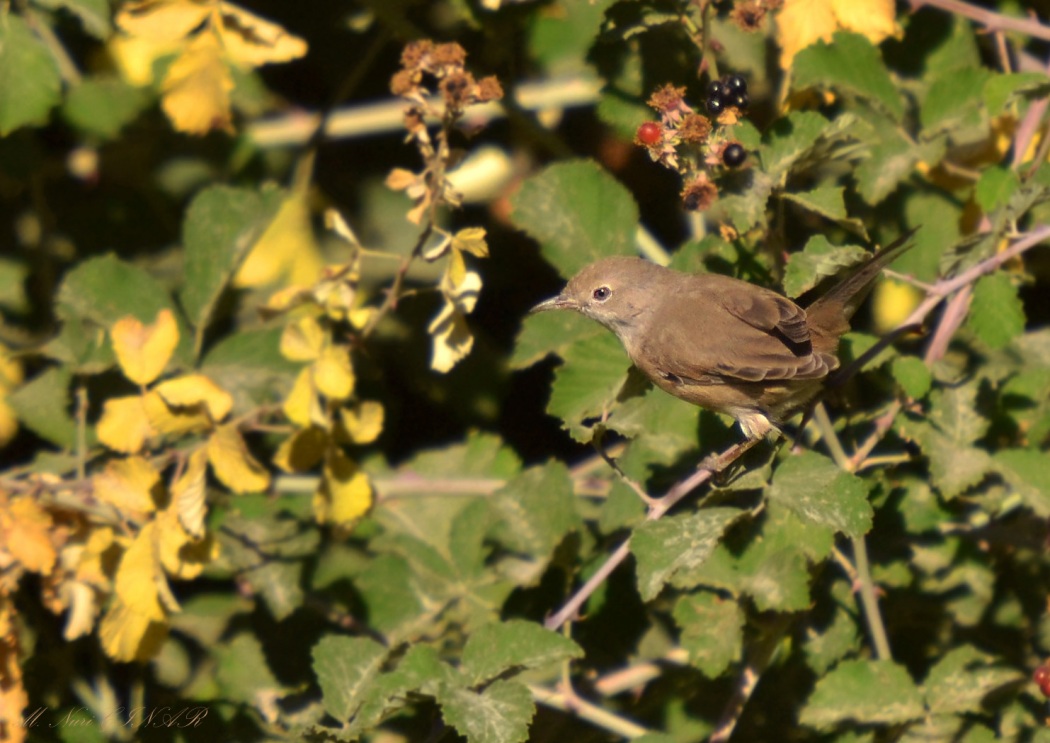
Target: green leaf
x,y
388,591
560,40
578,213
817,261
961,679
30,85
42,406
820,492
420,670
249,365
222,224
712,631
789,138
890,162
864,691
920,507
1027,473
587,383
996,187
951,98
827,201
1000,89
549,333
912,375
665,547
94,15
537,509
826,645
499,714
243,673
773,565
102,106
996,313
496,648
850,64
663,424
345,666
938,215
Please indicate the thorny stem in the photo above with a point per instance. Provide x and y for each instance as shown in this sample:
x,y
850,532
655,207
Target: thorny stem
x,y
991,20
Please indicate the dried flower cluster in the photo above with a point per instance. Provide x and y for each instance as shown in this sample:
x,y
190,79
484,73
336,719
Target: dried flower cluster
x,y
688,142
749,14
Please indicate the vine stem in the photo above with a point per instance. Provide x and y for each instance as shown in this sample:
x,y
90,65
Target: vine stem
x,y
587,711
989,19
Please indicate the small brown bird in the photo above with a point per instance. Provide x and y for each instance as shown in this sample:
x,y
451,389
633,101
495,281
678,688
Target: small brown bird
x,y
719,342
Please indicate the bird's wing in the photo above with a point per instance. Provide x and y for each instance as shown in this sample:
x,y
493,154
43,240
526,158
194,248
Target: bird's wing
x,y
710,334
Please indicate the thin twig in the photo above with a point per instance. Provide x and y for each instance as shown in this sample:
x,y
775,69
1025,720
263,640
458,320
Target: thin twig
x,y
587,711
987,18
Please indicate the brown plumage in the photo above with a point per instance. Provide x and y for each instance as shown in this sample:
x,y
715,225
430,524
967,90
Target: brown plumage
x,y
720,342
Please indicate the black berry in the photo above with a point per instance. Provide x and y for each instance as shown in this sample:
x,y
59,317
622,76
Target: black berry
x,y
715,105
740,100
736,84
715,89
734,155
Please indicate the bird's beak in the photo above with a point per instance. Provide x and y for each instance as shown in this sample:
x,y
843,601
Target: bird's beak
x,y
560,302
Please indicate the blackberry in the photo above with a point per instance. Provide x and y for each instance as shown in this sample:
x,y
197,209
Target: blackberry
x,y
716,89
735,84
716,105
740,100
734,155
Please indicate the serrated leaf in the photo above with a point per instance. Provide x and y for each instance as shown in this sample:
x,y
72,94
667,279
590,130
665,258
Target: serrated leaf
x,y
665,425
818,260
222,224
499,714
587,383
496,648
864,691
827,645
885,167
1001,88
548,333
850,64
537,510
102,106
578,213
790,138
243,674
951,98
30,85
996,187
912,375
42,406
390,595
712,631
996,313
960,680
344,667
665,547
820,492
773,567
1026,470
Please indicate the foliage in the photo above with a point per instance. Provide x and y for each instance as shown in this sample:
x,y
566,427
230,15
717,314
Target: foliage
x,y
285,458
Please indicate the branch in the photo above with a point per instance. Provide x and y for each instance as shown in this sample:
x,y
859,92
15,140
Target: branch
x,y
987,18
587,711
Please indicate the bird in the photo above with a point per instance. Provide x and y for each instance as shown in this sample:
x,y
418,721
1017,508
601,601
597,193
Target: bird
x,y
723,343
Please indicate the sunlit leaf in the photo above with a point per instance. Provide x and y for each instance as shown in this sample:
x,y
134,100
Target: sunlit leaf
x,y
144,350
193,390
189,493
26,528
125,424
362,421
128,484
197,88
233,464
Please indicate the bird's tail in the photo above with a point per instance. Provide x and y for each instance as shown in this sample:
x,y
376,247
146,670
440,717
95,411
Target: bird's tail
x,y
832,312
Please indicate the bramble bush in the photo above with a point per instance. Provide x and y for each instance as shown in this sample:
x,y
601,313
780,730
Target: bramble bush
x,y
285,458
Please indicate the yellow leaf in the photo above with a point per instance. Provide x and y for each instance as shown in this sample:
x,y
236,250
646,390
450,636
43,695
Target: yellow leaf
x,y
13,696
233,464
875,19
162,20
80,598
177,421
125,424
345,494
26,530
252,41
127,634
286,250
302,340
471,240
93,565
188,494
302,450
182,556
301,406
134,56
456,271
197,88
139,575
286,299
128,484
191,390
11,372
892,302
452,340
333,375
363,422
144,350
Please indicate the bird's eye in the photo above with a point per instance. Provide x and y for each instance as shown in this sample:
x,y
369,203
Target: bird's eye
x,y
602,293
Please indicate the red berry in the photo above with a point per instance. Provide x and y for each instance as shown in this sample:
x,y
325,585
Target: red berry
x,y
1041,676
649,133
